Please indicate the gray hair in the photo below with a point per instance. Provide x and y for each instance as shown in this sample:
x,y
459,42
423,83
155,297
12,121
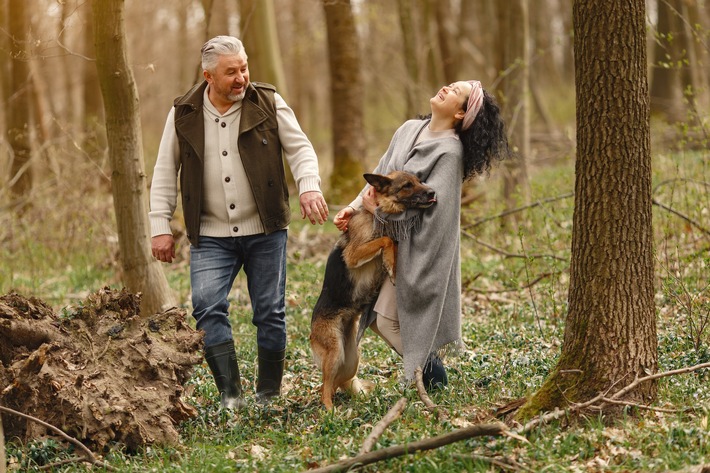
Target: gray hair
x,y
220,46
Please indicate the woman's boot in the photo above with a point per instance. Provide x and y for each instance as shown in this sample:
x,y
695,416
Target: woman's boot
x,y
222,360
434,373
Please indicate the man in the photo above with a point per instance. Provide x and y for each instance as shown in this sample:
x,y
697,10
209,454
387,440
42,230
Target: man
x,y
225,139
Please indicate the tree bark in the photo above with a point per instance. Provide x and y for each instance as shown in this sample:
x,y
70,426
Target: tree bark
x,y
128,178
610,333
346,103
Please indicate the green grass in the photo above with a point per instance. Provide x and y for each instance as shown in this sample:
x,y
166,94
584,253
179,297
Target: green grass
x,y
513,335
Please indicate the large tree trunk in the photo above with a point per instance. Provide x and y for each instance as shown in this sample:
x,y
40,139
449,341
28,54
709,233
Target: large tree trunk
x,y
346,104
19,103
140,272
258,26
610,333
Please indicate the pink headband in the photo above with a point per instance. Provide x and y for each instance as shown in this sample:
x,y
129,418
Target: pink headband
x,y
475,102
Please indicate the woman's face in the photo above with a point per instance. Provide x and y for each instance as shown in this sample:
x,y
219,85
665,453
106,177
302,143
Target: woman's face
x,y
449,100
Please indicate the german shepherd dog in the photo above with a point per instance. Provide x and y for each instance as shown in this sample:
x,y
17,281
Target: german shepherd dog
x,y
356,268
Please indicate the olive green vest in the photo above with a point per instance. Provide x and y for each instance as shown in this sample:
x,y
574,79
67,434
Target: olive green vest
x,y
259,149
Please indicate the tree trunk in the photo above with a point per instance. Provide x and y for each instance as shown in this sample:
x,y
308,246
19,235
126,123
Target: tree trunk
x,y
19,103
410,49
128,178
346,103
610,333
515,92
258,30
446,35
666,92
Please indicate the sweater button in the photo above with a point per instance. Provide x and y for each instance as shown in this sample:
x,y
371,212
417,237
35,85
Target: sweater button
x,y
216,120
224,124
264,141
235,229
224,153
232,206
227,179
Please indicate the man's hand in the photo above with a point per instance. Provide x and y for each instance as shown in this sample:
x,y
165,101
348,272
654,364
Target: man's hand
x,y
314,207
163,247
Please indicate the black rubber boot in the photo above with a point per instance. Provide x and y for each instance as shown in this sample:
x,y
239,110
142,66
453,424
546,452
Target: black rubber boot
x,y
222,360
271,371
434,373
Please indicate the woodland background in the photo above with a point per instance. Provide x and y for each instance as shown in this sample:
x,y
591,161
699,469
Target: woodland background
x,y
59,239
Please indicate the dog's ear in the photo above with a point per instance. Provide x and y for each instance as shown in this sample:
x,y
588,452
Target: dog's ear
x,y
378,181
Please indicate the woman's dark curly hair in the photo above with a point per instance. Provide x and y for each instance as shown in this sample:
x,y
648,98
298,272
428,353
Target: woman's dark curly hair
x,y
485,140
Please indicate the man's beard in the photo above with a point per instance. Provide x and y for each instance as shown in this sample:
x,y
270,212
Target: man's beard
x,y
236,97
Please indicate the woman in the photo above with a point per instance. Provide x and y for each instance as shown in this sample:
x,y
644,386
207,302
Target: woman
x,y
421,317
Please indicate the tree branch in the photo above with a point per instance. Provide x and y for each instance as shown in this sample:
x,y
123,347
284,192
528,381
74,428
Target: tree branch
x,y
382,425
480,430
89,456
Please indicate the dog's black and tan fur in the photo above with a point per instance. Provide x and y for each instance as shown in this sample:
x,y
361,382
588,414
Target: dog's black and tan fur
x,y
354,273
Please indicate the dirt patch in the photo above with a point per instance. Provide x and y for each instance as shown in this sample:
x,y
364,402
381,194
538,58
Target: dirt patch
x,y
102,373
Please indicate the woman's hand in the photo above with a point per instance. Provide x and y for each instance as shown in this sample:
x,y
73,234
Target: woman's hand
x,y
369,200
342,218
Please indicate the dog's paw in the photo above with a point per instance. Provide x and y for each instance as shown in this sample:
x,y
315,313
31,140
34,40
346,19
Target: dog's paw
x,y
360,387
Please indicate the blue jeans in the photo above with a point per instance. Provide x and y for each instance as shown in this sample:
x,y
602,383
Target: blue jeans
x,y
213,267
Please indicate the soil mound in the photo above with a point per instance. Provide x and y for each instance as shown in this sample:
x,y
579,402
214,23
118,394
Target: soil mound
x,y
102,373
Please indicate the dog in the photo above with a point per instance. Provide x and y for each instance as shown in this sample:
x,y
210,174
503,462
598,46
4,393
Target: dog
x,y
356,268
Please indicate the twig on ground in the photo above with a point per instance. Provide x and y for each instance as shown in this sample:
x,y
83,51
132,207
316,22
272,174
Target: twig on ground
x,y
519,288
520,209
479,430
88,455
503,463
506,253
649,408
681,216
382,425
621,393
421,390
3,460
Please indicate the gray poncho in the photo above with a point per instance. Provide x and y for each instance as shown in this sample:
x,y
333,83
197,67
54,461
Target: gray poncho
x,y
428,282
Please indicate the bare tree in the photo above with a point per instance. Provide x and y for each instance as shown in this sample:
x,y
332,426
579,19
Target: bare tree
x,y
610,333
513,20
128,179
666,91
346,101
411,61
258,27
19,101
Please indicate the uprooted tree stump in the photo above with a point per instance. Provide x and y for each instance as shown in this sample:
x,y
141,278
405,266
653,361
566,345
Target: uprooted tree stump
x,y
102,373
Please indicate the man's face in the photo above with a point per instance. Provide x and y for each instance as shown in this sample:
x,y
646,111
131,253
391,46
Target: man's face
x,y
229,80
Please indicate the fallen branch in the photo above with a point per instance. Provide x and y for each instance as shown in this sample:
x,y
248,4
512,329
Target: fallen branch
x,y
88,455
503,463
493,429
520,209
506,253
621,393
421,390
689,220
3,460
520,288
382,425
